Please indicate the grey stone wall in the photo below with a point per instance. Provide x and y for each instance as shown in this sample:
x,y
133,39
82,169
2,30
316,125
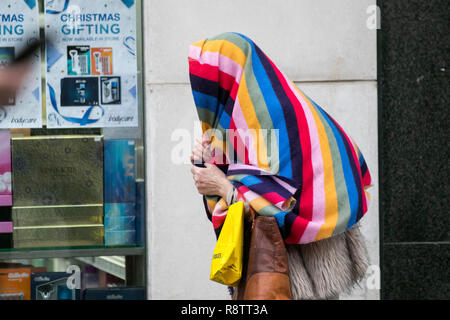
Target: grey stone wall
x,y
414,149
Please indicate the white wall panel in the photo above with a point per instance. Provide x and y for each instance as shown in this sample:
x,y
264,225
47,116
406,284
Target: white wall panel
x,y
321,43
308,39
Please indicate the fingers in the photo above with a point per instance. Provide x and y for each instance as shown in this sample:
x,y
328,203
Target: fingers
x,y
205,140
209,180
202,142
195,170
197,179
198,141
201,151
214,171
197,155
197,174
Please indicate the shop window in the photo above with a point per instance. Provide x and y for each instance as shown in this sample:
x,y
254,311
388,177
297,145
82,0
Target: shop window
x,y
72,187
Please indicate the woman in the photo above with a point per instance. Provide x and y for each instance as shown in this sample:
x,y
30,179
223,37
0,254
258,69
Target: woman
x,y
266,143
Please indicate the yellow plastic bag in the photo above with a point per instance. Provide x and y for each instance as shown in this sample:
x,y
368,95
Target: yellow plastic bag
x,y
226,264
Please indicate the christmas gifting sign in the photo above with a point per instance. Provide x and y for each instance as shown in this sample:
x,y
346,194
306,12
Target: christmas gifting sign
x,y
19,29
91,63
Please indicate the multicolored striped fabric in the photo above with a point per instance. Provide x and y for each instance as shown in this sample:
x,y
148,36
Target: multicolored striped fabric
x,y
289,158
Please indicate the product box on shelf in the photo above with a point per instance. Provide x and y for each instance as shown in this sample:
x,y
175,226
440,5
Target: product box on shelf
x,y
140,213
53,286
57,171
6,224
9,265
58,216
120,171
59,236
118,293
20,132
120,238
15,283
58,194
5,168
120,223
120,192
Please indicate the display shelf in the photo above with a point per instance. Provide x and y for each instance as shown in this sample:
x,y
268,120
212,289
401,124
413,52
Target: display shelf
x,y
114,265
69,252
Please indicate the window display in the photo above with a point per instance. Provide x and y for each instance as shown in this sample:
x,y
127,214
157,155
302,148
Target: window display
x,y
72,193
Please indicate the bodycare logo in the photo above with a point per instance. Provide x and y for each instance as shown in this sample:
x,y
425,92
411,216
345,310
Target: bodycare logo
x,y
374,19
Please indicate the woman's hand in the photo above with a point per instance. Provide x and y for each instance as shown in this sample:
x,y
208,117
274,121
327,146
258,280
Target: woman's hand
x,y
211,181
202,150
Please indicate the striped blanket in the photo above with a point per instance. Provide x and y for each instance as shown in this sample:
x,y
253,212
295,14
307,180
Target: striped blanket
x,y
286,156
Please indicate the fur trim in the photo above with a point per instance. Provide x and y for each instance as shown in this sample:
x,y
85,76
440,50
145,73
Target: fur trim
x,y
326,268
358,253
301,285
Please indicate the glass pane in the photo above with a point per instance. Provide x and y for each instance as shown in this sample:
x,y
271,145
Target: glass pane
x,y
76,226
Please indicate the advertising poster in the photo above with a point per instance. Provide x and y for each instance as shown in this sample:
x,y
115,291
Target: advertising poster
x,y
91,63
19,28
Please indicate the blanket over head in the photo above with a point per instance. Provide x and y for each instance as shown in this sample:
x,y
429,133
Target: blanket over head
x,y
286,156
